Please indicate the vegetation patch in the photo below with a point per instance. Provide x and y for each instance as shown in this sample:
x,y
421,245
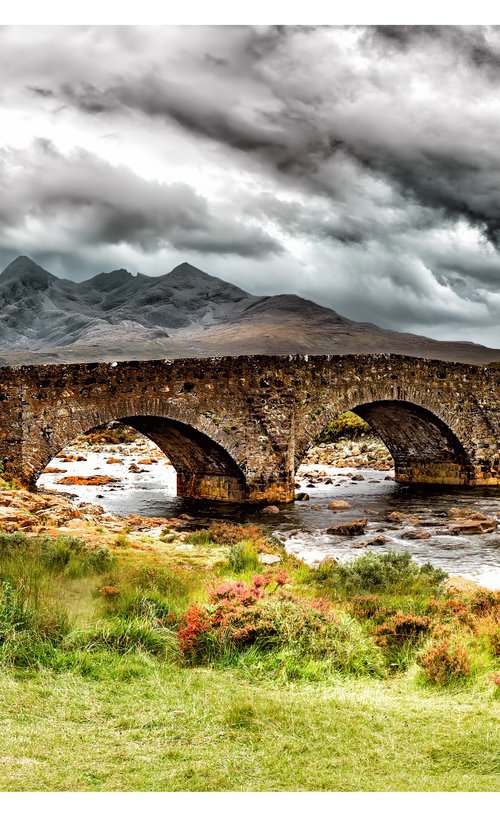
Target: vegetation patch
x,y
345,426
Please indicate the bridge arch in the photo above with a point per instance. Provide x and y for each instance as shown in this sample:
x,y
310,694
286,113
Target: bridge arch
x,y
424,447
205,467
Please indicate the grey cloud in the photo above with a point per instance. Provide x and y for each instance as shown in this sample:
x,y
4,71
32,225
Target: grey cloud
x,y
99,203
376,147
307,124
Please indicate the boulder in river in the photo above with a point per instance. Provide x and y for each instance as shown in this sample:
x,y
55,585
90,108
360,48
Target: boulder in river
x,y
339,505
353,528
473,526
302,496
271,509
93,479
416,534
377,541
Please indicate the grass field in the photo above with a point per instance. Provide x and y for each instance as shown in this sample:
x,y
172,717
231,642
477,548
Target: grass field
x,y
171,729
131,671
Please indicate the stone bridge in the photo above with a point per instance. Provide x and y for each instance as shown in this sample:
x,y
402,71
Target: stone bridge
x,y
236,428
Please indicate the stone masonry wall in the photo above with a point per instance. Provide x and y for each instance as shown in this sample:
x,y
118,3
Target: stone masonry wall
x,y
237,427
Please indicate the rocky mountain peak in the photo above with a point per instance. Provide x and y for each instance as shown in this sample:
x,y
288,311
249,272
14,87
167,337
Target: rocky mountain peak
x,y
25,270
107,281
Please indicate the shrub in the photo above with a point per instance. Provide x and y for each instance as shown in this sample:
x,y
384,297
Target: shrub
x,y
262,617
200,538
444,662
227,533
384,572
145,604
399,636
243,557
122,636
402,628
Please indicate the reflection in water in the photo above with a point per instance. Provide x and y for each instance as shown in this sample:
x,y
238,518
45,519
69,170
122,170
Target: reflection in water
x,y
304,524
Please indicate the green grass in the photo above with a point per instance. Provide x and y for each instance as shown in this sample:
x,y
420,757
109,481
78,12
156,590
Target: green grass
x,y
164,728
97,694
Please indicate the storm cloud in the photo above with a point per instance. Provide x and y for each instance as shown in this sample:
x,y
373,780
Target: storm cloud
x,y
358,166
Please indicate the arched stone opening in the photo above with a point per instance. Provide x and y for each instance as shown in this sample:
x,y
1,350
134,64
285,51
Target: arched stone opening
x,y
424,448
204,469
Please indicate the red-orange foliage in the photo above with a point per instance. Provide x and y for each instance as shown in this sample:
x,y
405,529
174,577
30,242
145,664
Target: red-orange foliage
x,y
109,590
240,614
400,628
443,662
197,623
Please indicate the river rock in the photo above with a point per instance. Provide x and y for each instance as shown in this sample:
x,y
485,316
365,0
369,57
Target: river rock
x,y
416,534
269,558
114,461
377,541
271,509
352,528
94,479
395,516
339,505
473,526
302,496
358,478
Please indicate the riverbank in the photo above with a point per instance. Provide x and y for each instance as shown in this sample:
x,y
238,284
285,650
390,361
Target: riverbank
x,y
188,651
135,478
214,660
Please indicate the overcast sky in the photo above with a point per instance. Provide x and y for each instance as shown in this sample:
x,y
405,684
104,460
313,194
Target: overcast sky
x,y
358,167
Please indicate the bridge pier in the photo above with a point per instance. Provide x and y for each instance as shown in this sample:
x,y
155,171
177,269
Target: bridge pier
x,y
219,487
417,472
225,488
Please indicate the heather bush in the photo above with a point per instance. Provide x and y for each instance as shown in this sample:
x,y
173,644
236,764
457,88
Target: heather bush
x,y
444,662
399,636
228,533
262,616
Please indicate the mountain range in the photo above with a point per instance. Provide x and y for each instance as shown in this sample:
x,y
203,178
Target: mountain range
x,y
186,312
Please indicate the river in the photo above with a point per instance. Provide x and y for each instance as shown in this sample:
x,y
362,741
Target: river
x,y
152,492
